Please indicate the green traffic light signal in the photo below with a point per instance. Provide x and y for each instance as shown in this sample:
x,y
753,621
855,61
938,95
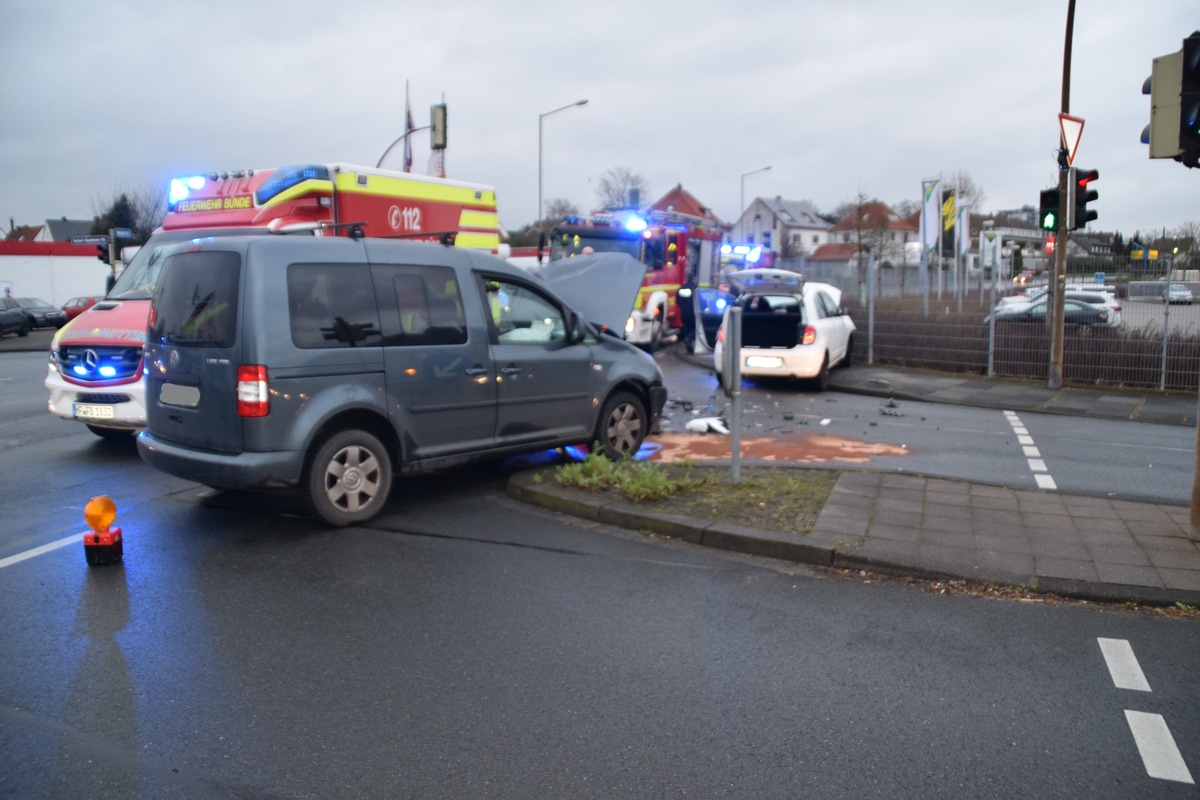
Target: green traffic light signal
x,y
1048,209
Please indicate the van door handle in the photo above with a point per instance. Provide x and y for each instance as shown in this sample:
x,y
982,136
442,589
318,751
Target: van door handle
x,y
511,369
476,371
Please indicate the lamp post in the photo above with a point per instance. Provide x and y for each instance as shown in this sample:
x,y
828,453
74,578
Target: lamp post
x,y
742,207
540,118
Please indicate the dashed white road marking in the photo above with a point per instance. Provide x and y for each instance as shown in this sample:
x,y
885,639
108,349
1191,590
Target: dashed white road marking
x,y
1160,755
1157,747
1123,665
37,551
1041,474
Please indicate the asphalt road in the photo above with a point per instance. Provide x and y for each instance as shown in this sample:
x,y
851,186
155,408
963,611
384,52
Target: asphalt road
x,y
466,645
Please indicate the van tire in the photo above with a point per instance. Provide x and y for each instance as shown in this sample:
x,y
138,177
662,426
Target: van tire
x,y
622,426
348,478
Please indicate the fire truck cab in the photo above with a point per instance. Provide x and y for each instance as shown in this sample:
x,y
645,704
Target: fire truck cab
x,y
96,365
676,249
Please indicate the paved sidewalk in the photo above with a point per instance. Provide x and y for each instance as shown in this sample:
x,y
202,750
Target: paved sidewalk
x,y
1081,547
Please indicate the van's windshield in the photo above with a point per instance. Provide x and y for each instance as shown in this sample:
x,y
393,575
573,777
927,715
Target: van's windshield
x,y
137,281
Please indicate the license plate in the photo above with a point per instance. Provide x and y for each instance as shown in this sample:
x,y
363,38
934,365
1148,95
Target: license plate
x,y
175,395
90,411
764,362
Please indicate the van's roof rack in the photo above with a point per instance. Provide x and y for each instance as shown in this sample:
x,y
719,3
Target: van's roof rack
x,y
445,238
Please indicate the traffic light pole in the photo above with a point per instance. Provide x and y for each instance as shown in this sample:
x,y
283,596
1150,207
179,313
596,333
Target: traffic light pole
x,y
1058,286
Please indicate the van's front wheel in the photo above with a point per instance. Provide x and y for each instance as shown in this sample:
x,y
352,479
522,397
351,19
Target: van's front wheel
x,y
348,478
622,426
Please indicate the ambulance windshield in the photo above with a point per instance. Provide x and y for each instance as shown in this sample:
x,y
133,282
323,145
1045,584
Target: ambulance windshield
x,y
138,280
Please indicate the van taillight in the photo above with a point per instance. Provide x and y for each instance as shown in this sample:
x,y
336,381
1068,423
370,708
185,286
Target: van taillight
x,y
252,397
810,335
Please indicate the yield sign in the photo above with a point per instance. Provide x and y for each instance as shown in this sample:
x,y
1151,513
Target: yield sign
x,y
1072,129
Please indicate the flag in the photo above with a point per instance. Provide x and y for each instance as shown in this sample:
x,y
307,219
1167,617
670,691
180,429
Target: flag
x,y
931,215
408,129
948,220
964,228
437,164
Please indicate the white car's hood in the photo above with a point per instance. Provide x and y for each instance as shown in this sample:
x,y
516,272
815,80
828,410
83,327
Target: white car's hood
x,y
602,287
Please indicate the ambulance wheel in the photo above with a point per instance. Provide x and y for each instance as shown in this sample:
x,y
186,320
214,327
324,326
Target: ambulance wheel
x,y
622,426
347,479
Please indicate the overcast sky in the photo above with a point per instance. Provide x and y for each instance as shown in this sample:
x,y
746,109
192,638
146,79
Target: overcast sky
x,y
861,96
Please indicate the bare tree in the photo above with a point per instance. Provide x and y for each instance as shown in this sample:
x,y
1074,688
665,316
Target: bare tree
x,y
141,209
621,187
969,193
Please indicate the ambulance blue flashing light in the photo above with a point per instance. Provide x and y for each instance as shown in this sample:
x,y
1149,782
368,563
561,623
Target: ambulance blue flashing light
x,y
635,224
181,188
287,177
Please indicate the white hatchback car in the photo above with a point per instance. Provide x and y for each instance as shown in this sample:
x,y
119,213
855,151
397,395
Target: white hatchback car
x,y
791,328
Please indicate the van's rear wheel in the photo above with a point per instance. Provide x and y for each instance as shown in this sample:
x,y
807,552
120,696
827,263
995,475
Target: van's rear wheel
x,y
622,426
348,478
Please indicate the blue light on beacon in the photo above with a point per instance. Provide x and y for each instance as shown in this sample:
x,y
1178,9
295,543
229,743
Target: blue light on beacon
x,y
721,303
754,255
108,372
182,187
635,224
79,370
726,249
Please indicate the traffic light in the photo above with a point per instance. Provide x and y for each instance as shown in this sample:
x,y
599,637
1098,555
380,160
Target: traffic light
x,y
1048,210
1080,215
102,253
1189,101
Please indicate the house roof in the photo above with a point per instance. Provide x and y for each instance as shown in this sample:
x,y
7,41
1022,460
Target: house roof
x,y
61,230
794,213
874,215
834,251
24,233
683,201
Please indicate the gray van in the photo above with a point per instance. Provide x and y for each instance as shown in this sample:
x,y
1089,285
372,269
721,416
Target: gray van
x,y
333,364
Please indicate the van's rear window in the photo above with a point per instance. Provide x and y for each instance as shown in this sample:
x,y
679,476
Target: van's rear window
x,y
196,302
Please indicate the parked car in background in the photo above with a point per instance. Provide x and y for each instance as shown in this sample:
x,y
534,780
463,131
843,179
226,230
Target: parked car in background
x,y
12,318
40,313
1101,299
1075,312
791,328
1178,293
77,305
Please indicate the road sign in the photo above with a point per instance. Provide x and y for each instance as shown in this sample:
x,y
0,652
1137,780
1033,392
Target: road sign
x,y
122,233
89,240
1072,129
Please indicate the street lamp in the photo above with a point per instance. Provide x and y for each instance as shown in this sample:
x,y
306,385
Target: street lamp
x,y
742,207
540,118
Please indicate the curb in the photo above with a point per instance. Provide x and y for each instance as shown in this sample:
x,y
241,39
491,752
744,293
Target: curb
x,y
529,486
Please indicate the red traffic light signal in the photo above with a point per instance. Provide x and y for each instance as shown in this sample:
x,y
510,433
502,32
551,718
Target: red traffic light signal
x,y
1080,214
102,253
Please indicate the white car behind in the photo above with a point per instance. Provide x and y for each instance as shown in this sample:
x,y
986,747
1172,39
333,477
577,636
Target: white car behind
x,y
791,328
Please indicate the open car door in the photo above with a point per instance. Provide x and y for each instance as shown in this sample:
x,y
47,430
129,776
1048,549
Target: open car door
x,y
710,304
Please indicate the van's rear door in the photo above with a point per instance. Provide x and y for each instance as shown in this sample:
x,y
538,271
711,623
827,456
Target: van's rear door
x,y
192,352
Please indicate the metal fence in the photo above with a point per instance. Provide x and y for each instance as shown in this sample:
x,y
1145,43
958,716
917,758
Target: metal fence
x,y
945,323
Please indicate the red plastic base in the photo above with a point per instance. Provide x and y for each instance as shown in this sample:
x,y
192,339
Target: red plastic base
x,y
103,547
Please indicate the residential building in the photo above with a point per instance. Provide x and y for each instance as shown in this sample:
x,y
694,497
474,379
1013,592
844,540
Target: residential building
x,y
792,228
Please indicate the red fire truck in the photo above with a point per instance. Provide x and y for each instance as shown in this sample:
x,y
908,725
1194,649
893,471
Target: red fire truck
x,y
95,372
674,247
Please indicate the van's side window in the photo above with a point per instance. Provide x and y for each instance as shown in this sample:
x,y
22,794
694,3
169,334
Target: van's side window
x,y
522,315
332,305
430,308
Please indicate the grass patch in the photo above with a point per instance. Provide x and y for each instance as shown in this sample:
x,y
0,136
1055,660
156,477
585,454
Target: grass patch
x,y
782,499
